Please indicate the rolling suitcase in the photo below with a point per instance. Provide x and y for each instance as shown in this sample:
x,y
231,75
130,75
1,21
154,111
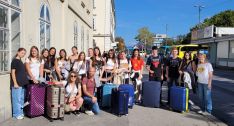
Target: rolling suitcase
x,y
104,95
35,96
55,102
130,89
179,98
119,101
151,93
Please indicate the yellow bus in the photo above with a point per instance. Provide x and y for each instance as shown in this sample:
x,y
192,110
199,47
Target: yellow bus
x,y
192,48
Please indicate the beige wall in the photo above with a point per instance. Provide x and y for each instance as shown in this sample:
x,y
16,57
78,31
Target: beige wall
x,y
222,49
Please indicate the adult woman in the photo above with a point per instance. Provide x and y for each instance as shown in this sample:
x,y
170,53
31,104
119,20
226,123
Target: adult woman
x,y
137,69
124,66
52,57
110,64
80,66
61,65
205,75
73,94
46,70
34,66
74,57
187,65
18,81
97,62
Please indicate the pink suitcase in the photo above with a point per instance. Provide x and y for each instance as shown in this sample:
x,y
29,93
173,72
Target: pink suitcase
x,y
36,97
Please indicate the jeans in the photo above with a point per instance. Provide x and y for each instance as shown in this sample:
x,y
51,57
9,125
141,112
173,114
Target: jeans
x,y
94,106
17,95
205,97
171,82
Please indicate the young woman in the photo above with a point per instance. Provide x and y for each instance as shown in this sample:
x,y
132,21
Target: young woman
x,y
18,81
80,66
62,65
52,57
110,64
46,70
34,66
205,75
124,66
137,69
74,57
73,95
97,62
187,65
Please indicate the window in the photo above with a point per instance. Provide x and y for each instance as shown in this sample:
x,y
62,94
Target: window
x,y
44,27
82,38
75,34
87,39
94,4
94,23
9,33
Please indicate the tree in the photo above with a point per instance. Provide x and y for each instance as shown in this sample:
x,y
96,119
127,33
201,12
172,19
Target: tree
x,y
121,45
145,36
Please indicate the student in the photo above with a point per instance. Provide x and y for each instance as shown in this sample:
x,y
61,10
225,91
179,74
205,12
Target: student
x,y
88,58
137,69
205,75
110,64
80,66
172,70
97,62
46,70
74,57
62,65
18,81
88,86
154,65
52,58
73,94
124,66
34,66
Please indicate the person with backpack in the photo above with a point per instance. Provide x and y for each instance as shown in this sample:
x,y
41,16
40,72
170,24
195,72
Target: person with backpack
x,y
52,58
124,67
154,65
137,71
172,70
73,93
62,65
205,74
80,66
34,66
18,82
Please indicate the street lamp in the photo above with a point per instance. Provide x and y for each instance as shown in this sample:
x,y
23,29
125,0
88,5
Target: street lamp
x,y
199,12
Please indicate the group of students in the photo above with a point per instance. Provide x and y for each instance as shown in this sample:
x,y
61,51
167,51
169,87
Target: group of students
x,y
81,75
195,74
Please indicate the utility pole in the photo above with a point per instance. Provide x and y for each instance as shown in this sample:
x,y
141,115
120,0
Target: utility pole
x,y
199,12
166,33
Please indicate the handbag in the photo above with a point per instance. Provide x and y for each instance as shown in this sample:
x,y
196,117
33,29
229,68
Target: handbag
x,y
67,105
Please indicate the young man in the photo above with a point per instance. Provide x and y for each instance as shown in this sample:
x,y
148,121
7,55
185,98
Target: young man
x,y
154,65
88,86
172,70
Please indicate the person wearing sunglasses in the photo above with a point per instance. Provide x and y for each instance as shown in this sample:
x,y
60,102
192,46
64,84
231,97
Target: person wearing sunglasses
x,y
73,94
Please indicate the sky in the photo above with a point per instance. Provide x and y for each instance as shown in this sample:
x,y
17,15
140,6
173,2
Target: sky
x,y
179,15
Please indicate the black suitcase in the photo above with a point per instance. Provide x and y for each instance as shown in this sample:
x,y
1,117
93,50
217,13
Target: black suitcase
x,y
119,101
151,93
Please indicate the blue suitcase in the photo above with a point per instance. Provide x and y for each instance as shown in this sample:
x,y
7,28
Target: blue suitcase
x,y
151,93
179,98
130,89
105,95
119,101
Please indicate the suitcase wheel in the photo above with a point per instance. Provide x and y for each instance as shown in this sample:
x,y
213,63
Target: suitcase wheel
x,y
62,119
51,120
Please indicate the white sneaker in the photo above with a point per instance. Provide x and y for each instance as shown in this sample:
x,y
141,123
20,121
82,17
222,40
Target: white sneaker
x,y
89,113
200,112
191,102
20,117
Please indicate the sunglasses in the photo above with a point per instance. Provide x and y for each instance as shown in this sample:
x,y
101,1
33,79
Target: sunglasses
x,y
73,76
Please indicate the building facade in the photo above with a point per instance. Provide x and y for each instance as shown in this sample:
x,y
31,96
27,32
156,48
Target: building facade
x,y
43,23
104,24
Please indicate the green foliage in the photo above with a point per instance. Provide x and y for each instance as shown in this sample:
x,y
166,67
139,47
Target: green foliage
x,y
144,35
121,45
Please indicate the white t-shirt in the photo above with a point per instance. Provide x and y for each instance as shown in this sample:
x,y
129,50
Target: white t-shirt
x,y
69,90
34,65
64,66
110,64
124,65
203,72
80,66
